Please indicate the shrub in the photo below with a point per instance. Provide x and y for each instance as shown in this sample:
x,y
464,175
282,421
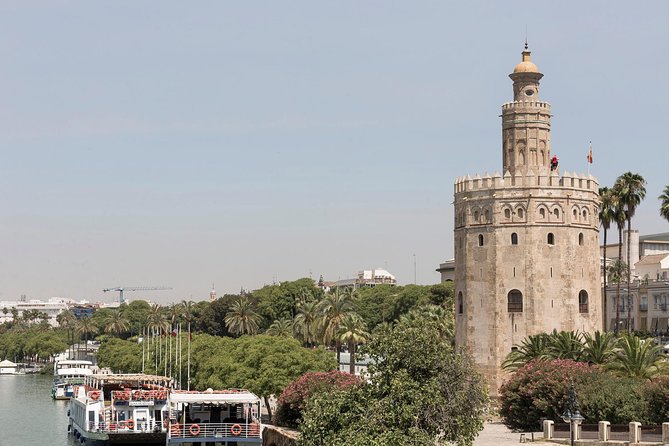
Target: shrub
x,y
656,393
538,390
293,399
618,400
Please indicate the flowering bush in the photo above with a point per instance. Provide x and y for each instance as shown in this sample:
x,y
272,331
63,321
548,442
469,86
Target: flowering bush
x,y
538,390
294,397
656,392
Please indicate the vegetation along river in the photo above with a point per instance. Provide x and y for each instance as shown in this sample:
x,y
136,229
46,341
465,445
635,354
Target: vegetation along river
x,y
28,415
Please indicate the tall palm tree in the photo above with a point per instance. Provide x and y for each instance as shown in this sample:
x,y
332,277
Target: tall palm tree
x,y
532,348
616,273
599,347
606,213
85,326
630,188
156,320
242,318
353,332
435,313
664,206
116,324
335,307
187,313
306,324
638,358
281,327
68,321
620,217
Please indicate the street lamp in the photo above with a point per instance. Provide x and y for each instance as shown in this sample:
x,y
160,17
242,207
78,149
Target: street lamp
x,y
571,413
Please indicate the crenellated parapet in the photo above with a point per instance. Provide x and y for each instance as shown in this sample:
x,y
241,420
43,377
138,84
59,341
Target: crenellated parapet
x,y
515,105
531,180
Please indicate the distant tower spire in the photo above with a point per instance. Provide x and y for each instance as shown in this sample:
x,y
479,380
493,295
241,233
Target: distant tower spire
x,y
212,294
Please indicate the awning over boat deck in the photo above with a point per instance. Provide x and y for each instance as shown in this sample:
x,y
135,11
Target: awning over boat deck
x,y
214,398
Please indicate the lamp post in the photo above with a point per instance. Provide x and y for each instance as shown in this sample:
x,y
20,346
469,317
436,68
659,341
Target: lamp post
x,y
571,413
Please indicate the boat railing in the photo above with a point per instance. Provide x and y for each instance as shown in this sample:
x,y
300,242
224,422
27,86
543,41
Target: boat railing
x,y
215,430
127,426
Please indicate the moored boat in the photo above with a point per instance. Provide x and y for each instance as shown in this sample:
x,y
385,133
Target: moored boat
x,y
124,409
224,417
66,375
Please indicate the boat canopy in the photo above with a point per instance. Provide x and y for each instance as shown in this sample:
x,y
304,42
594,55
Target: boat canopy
x,y
213,398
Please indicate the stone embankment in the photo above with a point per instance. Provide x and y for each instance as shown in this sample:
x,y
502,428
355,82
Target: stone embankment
x,y
279,436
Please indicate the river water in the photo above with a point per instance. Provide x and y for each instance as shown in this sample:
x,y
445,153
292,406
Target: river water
x,y
28,415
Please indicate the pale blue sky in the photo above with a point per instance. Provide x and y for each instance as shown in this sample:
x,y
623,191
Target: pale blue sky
x,y
185,143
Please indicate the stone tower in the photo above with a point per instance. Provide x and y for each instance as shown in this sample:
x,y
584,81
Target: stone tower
x,y
526,243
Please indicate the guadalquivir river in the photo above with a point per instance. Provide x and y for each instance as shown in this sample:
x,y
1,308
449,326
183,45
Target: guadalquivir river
x,y
28,415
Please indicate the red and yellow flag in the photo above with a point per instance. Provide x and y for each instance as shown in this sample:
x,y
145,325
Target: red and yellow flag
x,y
589,157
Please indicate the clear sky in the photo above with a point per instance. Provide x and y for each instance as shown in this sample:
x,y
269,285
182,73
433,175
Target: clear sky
x,y
240,143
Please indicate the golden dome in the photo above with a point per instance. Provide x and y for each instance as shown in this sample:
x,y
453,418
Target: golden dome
x,y
526,66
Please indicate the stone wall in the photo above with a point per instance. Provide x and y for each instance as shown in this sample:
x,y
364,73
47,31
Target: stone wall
x,y
279,436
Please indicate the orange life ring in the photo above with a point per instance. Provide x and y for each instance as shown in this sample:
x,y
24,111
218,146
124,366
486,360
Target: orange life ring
x,y
236,430
194,430
174,430
95,395
121,424
130,423
137,394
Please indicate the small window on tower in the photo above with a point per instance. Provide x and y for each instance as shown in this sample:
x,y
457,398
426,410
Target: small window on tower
x,y
556,212
529,92
514,238
551,238
507,213
520,213
542,213
480,239
580,239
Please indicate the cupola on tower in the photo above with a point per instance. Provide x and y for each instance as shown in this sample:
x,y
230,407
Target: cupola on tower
x,y
526,242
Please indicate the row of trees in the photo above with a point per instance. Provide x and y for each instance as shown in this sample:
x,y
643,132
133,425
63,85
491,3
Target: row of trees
x,y
618,205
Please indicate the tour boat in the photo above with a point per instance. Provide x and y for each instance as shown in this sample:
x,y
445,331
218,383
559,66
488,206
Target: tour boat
x,y
120,409
66,375
224,417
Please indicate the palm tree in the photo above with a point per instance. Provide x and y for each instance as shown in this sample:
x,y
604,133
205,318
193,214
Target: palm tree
x,y
242,319
599,348
565,345
281,327
620,217
335,307
664,207
630,188
435,313
68,321
532,348
616,273
638,358
116,324
606,213
156,320
85,326
187,312
307,322
353,332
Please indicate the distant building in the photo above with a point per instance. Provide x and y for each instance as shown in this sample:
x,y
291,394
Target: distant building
x,y
447,271
640,247
7,368
52,308
361,364
81,311
368,278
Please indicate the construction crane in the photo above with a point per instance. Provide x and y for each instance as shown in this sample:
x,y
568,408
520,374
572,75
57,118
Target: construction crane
x,y
121,289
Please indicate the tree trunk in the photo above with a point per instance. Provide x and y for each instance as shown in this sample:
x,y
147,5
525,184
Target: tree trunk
x,y
338,347
269,409
351,349
606,315
629,272
620,256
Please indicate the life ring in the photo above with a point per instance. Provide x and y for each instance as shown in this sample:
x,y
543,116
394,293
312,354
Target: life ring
x,y
236,430
137,395
194,430
174,430
95,395
121,424
130,423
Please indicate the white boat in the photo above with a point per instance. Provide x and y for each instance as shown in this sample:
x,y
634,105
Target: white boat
x,y
7,367
224,417
120,409
66,375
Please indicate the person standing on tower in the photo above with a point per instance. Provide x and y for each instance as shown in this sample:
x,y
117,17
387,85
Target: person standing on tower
x,y
554,163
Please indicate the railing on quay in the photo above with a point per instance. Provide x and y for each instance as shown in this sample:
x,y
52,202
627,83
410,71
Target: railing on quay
x,y
126,426
214,430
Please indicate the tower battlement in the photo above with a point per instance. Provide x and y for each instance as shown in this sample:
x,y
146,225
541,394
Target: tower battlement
x,y
526,104
519,181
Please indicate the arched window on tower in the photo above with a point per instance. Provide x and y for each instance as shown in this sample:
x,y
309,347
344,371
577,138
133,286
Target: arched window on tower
x,y
515,301
480,239
476,216
461,303
542,213
514,238
487,215
580,239
520,212
556,212
583,301
551,238
507,213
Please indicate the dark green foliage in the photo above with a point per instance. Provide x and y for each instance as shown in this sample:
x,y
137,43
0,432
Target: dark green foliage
x,y
419,396
120,356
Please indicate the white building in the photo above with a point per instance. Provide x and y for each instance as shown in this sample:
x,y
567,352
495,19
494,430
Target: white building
x,y
368,278
52,308
7,368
